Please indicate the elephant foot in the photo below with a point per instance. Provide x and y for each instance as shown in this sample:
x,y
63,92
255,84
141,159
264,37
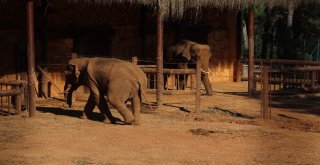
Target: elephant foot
x,y
83,117
209,94
66,105
107,121
132,122
111,121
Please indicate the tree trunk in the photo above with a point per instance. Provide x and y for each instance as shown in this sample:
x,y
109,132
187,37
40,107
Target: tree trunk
x,y
288,36
266,35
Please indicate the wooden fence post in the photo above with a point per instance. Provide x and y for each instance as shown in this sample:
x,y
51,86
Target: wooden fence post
x,y
31,59
134,60
198,86
251,53
265,109
159,57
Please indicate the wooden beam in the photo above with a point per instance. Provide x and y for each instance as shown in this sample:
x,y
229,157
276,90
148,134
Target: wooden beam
x,y
31,66
159,58
251,52
170,71
11,92
198,86
265,109
44,73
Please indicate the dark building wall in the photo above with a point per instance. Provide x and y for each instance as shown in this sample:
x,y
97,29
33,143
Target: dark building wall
x,y
121,31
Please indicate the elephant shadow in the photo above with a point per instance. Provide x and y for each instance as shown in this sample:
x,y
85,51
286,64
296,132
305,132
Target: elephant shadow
x,y
95,116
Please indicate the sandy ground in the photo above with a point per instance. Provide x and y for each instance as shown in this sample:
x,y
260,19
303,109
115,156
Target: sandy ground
x,y
171,135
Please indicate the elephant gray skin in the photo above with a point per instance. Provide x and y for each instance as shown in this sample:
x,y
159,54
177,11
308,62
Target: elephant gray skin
x,y
187,52
118,80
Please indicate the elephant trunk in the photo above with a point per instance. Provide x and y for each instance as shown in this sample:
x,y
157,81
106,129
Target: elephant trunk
x,y
68,94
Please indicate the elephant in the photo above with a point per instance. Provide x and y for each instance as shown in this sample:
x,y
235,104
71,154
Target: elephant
x,y
118,80
187,52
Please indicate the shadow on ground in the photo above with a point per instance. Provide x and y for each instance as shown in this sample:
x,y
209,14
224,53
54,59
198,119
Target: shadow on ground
x,y
72,113
298,104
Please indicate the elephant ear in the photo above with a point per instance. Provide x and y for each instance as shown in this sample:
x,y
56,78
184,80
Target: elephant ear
x,y
196,49
187,50
78,65
75,70
201,51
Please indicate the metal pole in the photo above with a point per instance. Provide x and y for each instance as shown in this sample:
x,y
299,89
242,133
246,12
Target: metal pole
x,y
251,53
31,67
159,58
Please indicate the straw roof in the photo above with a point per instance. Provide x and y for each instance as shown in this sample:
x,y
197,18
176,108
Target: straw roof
x,y
176,8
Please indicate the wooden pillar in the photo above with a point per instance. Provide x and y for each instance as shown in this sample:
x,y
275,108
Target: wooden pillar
x,y
238,66
159,58
17,101
198,85
44,92
265,109
134,60
251,52
143,32
31,66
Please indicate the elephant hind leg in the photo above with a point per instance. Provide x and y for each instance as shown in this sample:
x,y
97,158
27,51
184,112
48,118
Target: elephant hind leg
x,y
122,109
118,94
136,108
104,109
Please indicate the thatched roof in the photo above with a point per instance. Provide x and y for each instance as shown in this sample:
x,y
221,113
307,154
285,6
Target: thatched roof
x,y
176,8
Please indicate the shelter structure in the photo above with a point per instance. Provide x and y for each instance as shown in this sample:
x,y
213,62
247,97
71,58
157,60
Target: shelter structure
x,y
61,29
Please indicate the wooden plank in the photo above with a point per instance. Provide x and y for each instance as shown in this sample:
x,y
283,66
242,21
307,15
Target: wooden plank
x,y
13,82
251,53
31,58
11,92
265,110
170,71
282,61
50,79
198,86
159,57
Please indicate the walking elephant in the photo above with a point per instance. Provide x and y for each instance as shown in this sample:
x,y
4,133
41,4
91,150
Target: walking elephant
x,y
187,52
118,80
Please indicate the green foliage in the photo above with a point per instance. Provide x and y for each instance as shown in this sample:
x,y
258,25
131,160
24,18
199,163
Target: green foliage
x,y
272,33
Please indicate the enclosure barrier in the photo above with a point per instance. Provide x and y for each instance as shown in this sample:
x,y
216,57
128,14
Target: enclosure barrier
x,y
289,75
176,81
12,92
172,78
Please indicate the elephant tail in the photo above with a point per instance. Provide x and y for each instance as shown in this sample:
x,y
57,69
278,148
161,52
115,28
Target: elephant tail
x,y
143,93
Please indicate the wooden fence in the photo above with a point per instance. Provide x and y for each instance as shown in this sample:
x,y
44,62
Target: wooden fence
x,y
172,77
12,92
288,76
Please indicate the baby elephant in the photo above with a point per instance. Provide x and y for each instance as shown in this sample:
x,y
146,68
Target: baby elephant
x,y
116,79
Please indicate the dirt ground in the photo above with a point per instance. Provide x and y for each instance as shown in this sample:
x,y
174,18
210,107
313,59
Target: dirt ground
x,y
171,135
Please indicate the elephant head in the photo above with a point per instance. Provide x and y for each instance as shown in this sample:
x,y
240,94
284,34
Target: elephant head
x,y
187,51
74,77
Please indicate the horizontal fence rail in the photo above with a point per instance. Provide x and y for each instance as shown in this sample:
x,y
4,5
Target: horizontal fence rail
x,y
287,76
177,81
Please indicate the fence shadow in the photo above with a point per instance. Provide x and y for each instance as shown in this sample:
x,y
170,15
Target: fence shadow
x,y
298,104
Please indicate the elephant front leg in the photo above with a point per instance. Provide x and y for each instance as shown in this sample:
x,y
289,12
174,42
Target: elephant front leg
x,y
104,109
101,102
88,109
